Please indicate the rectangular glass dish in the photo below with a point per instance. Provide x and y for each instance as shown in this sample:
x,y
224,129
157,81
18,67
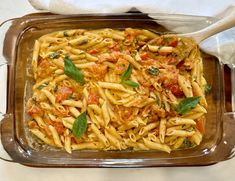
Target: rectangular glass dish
x,y
218,141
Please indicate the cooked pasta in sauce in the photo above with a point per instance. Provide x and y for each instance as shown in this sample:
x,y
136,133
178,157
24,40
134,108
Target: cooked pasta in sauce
x,y
117,89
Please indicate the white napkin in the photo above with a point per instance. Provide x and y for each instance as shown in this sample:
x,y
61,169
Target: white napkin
x,y
226,40
192,7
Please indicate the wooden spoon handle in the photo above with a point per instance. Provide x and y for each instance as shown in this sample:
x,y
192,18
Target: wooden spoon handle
x,y
225,23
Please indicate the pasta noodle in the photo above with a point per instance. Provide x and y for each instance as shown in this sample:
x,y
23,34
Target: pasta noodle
x,y
137,89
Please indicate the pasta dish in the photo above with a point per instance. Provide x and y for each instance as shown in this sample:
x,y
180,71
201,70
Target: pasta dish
x,y
110,89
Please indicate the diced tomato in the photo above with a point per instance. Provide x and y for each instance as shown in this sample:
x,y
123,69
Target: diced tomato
x,y
44,68
34,110
172,113
172,60
73,141
98,71
125,113
117,48
63,93
59,127
93,99
175,89
200,125
173,43
93,51
144,56
180,65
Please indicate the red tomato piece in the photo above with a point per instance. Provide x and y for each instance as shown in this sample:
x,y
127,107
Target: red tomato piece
x,y
144,56
93,51
35,111
44,68
93,99
174,43
175,89
172,60
63,93
59,127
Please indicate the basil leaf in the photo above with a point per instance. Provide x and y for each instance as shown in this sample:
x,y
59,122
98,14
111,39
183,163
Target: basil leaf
x,y
54,55
127,73
187,104
80,125
72,71
130,83
153,71
207,88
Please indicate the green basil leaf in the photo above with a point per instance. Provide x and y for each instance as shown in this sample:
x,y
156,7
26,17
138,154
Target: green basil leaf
x,y
153,71
127,73
207,88
72,71
54,55
80,125
187,104
130,83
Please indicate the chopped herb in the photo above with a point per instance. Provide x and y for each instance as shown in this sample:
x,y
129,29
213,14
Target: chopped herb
x,y
190,129
159,48
187,104
72,71
173,106
72,96
66,34
207,88
126,75
158,100
131,83
153,71
187,143
80,125
42,86
54,55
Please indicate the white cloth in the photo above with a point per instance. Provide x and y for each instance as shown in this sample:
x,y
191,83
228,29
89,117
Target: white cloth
x,y
226,40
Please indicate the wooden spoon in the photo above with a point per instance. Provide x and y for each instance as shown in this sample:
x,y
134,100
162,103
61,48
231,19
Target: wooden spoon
x,y
228,21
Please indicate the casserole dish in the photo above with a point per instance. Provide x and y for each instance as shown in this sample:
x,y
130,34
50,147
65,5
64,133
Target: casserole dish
x,y
218,142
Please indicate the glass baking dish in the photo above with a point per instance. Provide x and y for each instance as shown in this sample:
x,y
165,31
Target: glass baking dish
x,y
20,34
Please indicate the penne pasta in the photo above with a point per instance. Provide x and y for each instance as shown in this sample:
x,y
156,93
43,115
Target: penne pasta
x,y
117,89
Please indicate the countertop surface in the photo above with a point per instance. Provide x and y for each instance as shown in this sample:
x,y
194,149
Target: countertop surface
x,y
16,172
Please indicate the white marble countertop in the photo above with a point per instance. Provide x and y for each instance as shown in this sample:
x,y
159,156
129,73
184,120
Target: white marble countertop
x,y
16,172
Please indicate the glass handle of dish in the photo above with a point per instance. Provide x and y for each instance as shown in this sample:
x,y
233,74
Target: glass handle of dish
x,y
233,88
4,26
1,147
3,79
